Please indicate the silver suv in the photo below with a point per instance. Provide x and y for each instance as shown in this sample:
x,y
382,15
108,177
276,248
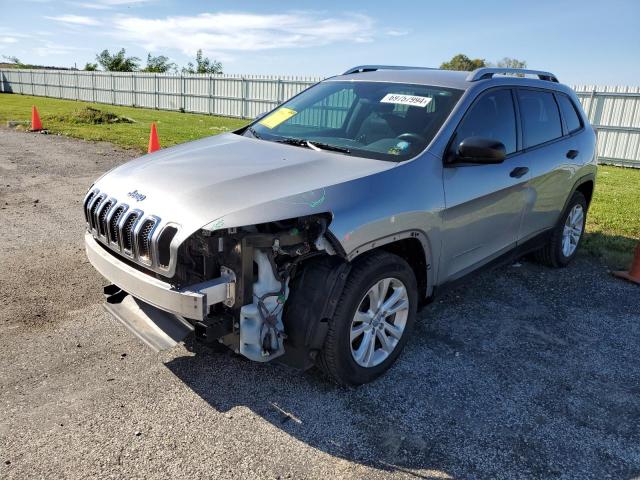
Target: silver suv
x,y
314,234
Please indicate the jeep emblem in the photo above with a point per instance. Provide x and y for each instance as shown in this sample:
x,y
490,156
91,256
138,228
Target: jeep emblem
x,y
138,197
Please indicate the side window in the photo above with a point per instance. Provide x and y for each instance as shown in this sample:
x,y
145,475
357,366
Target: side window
x,y
569,113
540,117
492,116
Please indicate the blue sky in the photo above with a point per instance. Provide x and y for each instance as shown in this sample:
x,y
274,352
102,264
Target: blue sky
x,y
583,42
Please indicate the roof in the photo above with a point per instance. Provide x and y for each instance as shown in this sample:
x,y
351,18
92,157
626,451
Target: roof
x,y
461,80
435,77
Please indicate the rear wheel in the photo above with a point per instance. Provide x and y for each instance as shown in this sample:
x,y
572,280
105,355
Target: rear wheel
x,y
567,235
372,321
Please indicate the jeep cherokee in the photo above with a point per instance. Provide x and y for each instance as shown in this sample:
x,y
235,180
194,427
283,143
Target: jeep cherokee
x,y
313,234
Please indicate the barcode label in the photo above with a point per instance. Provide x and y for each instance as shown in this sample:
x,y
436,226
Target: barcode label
x,y
411,100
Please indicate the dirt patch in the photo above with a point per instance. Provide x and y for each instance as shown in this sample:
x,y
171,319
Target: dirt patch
x,y
90,116
43,181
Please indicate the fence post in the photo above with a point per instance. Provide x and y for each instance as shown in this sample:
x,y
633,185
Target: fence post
x,y
77,86
93,86
156,99
243,87
591,102
45,76
60,84
182,88
113,89
280,91
135,89
210,91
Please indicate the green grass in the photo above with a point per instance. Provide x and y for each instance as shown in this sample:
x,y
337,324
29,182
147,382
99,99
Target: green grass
x,y
613,223
173,127
613,226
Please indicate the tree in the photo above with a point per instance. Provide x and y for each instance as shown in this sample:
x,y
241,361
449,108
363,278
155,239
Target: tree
x,y
91,67
12,59
462,62
117,62
508,62
159,64
203,65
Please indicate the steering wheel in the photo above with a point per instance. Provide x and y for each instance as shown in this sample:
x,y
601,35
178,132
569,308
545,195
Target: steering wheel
x,y
413,138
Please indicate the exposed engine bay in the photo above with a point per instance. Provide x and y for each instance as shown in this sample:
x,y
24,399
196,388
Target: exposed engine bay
x,y
262,259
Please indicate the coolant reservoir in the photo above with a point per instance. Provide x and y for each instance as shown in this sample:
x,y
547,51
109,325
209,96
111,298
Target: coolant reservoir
x,y
251,323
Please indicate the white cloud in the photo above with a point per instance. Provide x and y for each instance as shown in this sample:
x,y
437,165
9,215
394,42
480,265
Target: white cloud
x,y
52,48
216,33
8,40
397,33
75,19
108,4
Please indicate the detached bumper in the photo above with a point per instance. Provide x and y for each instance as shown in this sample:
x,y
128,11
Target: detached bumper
x,y
192,302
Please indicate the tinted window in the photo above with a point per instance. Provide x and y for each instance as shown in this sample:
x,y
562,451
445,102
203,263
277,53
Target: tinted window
x,y
492,116
540,117
569,113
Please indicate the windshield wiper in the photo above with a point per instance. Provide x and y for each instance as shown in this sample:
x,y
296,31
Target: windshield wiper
x,y
254,133
301,142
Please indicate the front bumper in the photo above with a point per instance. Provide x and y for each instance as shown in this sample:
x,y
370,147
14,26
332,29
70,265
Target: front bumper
x,y
192,302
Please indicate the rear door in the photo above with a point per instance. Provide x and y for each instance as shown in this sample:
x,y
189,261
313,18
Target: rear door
x,y
484,203
551,153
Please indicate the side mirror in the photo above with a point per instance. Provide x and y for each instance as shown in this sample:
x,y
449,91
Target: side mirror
x,y
480,150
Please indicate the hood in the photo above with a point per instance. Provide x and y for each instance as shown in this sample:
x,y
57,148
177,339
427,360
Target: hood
x,y
197,182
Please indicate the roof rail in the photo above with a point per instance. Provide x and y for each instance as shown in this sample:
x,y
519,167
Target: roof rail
x,y
489,72
373,68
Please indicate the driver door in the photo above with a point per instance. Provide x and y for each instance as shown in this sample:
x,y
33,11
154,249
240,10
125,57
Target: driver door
x,y
484,204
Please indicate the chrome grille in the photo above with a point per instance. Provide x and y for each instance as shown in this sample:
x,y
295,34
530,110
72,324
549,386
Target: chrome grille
x,y
102,217
114,233
87,202
144,240
93,207
128,231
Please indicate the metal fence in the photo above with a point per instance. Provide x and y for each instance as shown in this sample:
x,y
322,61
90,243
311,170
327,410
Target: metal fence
x,y
614,111
242,96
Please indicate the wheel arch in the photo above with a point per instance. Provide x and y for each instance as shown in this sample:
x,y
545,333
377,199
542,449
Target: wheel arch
x,y
586,188
413,246
585,185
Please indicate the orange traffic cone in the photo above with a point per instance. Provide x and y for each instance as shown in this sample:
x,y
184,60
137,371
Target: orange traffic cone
x,y
633,275
154,142
36,124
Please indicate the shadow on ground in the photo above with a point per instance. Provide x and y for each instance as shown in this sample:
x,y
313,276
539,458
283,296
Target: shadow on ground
x,y
522,372
614,250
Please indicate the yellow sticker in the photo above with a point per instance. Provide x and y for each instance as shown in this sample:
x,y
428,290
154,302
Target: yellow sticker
x,y
276,118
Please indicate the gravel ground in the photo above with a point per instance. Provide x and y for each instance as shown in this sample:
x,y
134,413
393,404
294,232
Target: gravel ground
x,y
524,372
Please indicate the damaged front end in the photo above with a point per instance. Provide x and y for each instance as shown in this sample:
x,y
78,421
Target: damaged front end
x,y
261,315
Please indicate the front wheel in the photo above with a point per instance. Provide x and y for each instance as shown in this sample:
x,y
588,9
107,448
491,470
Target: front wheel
x,y
372,321
567,235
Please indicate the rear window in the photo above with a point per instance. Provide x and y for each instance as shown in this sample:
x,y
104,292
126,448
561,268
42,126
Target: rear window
x,y
540,117
569,113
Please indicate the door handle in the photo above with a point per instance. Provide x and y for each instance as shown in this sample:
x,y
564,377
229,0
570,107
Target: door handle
x,y
518,172
572,154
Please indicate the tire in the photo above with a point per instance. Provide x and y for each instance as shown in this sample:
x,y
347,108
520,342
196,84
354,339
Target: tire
x,y
554,254
338,356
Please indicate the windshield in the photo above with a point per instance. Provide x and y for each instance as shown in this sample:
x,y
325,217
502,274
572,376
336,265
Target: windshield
x,y
386,121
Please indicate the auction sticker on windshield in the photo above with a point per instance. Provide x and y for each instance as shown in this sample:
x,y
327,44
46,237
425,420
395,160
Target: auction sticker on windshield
x,y
412,100
276,118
